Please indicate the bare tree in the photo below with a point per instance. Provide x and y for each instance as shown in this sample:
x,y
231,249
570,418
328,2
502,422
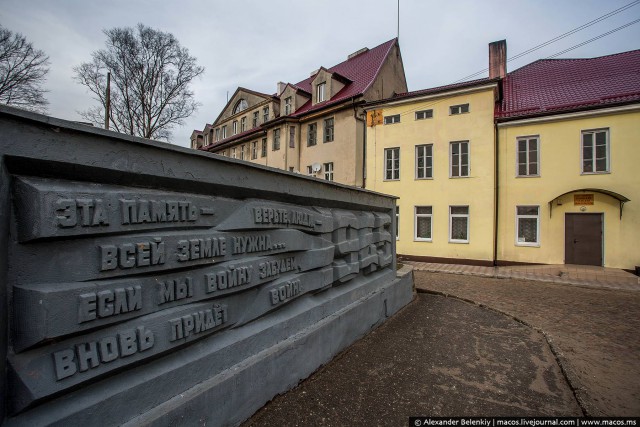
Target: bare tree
x,y
150,78
23,70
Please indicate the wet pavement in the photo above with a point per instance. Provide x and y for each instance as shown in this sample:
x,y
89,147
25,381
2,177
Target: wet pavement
x,y
496,345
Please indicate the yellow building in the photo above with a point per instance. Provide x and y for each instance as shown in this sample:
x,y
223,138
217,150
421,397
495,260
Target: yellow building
x,y
534,166
315,126
434,149
569,149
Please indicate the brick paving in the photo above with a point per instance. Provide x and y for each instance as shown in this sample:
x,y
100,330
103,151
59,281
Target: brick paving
x,y
595,332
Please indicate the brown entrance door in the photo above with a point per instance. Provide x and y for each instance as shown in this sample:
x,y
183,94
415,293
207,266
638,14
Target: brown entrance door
x,y
583,239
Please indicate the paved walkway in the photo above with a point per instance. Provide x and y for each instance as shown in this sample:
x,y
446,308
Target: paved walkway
x,y
581,275
499,347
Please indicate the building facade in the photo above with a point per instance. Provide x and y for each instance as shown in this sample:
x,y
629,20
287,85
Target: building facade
x,y
316,126
534,166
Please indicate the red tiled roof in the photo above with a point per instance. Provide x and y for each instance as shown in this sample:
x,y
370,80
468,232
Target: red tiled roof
x,y
361,70
550,86
231,138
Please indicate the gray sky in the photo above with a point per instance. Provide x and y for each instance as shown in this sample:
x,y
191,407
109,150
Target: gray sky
x,y
255,44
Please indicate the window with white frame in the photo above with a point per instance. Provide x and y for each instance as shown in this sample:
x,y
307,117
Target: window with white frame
x,y
459,156
287,106
459,224
528,157
312,134
527,225
218,134
423,223
233,152
424,114
224,131
459,109
276,139
391,164
254,150
243,124
234,127
595,151
265,114
255,119
397,222
240,105
320,92
264,148
424,161
328,171
242,152
389,120
310,171
328,130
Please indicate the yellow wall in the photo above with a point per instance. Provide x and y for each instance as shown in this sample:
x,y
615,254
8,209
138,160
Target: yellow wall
x,y
476,191
560,172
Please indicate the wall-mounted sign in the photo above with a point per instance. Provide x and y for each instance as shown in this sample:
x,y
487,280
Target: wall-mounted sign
x,y
582,199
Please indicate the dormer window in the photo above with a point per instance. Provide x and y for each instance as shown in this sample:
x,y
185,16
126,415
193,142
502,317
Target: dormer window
x,y
320,91
240,105
287,106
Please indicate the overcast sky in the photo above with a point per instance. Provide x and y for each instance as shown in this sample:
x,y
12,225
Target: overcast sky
x,y
255,44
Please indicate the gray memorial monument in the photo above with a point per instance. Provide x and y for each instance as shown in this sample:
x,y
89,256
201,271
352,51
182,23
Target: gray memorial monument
x,y
145,284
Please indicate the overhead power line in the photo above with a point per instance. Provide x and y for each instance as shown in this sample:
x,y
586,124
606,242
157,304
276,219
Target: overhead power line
x,y
560,37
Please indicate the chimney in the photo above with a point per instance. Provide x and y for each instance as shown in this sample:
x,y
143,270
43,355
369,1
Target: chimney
x,y
281,86
498,59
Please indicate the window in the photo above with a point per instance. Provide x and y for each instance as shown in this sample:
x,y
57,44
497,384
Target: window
x,y
265,114
276,139
459,224
328,171
328,130
595,151
292,137
243,124
291,169
320,92
391,164
254,150
423,223
287,106
312,134
527,225
424,114
389,120
528,156
242,152
255,119
218,134
224,153
224,131
459,109
264,148
235,127
397,222
240,105
459,159
233,152
424,161
310,170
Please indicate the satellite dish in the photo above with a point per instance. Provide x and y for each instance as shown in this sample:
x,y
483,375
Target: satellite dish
x,y
316,167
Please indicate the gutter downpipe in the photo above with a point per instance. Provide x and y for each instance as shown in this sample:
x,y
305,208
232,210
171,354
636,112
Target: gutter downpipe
x,y
364,142
495,195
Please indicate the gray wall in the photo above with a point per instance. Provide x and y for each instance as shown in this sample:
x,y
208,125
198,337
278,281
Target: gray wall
x,y
151,284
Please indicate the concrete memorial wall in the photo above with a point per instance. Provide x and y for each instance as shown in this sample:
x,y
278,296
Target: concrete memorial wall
x,y
146,284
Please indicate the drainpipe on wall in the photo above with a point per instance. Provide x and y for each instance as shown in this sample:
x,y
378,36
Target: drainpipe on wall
x,y
364,141
495,196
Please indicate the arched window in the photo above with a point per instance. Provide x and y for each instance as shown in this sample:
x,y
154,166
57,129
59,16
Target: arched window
x,y
240,105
